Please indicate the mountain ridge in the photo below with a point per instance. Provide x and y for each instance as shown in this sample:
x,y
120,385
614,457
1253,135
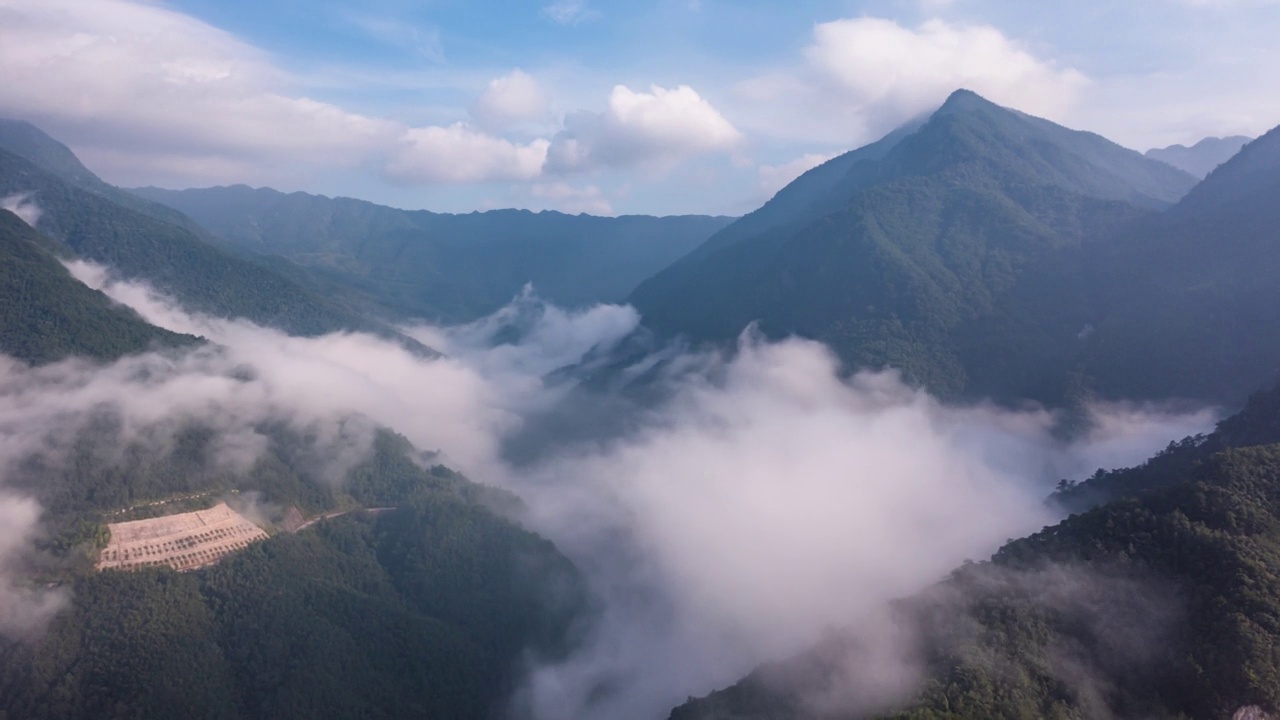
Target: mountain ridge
x,y
952,233
1201,158
138,244
440,266
47,315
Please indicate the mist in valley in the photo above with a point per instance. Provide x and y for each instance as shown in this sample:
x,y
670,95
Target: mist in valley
x,y
745,504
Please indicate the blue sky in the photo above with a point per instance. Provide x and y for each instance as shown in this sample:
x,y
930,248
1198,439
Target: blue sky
x,y
673,106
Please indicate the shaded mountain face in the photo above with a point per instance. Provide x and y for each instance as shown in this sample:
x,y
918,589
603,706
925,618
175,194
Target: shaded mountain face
x,y
139,244
1188,297
951,250
1162,603
440,266
1200,159
46,314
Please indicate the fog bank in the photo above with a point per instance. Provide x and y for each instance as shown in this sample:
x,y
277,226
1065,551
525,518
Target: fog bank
x,y
762,501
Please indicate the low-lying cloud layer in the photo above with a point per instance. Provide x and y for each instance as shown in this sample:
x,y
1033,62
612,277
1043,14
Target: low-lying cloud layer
x,y
773,501
764,500
23,206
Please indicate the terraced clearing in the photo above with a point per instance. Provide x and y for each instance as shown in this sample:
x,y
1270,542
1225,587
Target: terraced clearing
x,y
184,541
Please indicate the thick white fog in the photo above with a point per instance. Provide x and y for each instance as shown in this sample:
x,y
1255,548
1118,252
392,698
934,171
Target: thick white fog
x,y
764,501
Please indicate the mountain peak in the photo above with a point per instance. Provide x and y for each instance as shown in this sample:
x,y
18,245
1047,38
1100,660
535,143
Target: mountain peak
x,y
964,100
28,141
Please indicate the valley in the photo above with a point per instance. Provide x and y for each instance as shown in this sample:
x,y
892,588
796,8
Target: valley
x,y
456,361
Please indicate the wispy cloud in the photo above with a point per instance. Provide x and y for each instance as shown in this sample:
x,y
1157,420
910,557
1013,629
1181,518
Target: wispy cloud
x,y
423,41
23,206
570,12
775,177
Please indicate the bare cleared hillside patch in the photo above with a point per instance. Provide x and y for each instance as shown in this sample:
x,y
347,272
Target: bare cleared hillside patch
x,y
184,541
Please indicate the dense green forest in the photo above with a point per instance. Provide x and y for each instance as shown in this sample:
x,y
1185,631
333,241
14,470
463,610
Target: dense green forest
x,y
440,266
47,315
1186,298
104,468
987,253
1164,602
425,610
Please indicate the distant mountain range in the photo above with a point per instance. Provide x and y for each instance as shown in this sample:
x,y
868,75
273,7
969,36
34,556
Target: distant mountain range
x,y
444,267
1200,159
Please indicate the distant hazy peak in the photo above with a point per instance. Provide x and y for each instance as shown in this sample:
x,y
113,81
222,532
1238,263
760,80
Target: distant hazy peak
x,y
1200,159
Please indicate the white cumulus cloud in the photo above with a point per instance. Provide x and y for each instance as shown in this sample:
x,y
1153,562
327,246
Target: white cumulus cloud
x,y
775,177
907,70
642,127
462,154
160,88
509,99
152,96
860,77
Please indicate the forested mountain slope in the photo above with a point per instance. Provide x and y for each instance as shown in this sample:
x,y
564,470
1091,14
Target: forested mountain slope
x,y
425,610
1187,299
951,251
174,259
46,314
30,142
441,266
1164,603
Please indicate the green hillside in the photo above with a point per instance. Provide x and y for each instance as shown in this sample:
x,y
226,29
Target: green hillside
x,y
1187,298
952,251
422,612
174,259
47,315
425,610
